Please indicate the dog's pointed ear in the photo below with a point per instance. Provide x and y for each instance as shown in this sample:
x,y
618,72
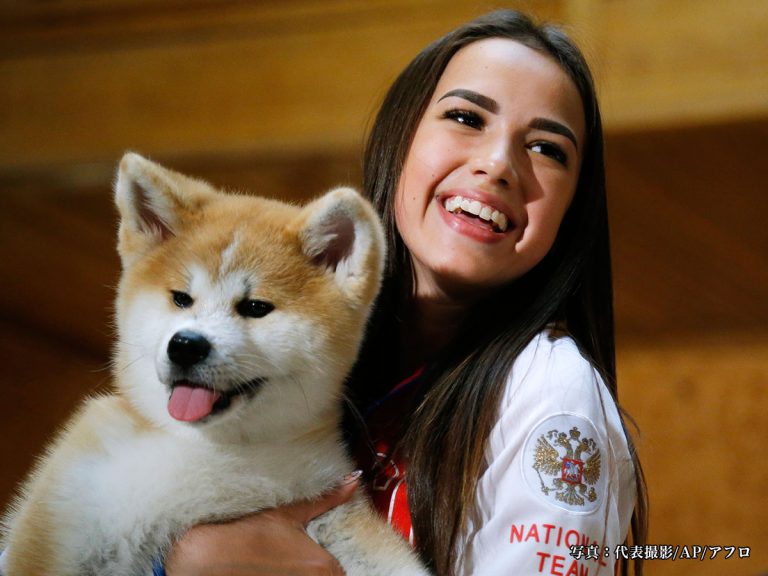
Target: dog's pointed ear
x,y
340,231
152,202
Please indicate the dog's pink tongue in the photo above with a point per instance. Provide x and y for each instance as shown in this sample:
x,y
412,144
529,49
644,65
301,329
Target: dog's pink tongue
x,y
191,403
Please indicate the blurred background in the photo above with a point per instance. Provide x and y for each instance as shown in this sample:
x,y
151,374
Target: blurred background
x,y
275,97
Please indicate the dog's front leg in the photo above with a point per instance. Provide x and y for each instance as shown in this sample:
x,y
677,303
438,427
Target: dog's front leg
x,y
363,543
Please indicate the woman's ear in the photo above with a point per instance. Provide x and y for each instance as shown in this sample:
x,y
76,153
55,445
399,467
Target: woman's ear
x,y
153,202
340,231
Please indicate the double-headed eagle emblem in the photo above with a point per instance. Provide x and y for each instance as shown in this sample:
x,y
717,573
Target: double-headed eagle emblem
x,y
567,465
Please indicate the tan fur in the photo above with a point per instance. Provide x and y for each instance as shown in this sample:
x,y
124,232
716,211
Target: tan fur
x,y
176,231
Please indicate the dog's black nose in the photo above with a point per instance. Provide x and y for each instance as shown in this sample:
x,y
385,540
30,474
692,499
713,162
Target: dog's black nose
x,y
187,348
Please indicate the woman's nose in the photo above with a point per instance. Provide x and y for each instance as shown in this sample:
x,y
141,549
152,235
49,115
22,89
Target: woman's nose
x,y
495,162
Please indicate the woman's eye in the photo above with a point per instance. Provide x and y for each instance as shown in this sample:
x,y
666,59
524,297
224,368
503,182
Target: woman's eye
x,y
182,299
465,117
551,150
254,308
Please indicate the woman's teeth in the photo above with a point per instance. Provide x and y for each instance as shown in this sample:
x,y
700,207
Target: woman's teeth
x,y
458,204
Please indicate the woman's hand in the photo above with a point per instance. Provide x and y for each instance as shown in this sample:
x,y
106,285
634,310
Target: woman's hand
x,y
270,542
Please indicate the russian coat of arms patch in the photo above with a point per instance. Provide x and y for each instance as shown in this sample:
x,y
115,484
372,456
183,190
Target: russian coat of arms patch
x,y
563,462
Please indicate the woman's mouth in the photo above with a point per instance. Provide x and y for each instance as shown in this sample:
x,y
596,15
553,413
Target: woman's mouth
x,y
474,209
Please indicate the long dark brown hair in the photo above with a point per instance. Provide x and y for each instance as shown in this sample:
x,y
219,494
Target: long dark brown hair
x,y
570,287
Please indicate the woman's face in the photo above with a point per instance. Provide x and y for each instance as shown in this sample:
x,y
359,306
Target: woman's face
x,y
492,169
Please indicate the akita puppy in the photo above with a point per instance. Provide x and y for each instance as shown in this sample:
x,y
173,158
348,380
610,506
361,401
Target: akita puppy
x,y
238,319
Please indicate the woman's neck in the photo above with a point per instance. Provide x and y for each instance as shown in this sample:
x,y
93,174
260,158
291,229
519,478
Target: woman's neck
x,y
430,322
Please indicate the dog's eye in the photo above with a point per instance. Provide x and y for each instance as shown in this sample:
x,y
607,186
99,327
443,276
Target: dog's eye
x,y
254,308
182,299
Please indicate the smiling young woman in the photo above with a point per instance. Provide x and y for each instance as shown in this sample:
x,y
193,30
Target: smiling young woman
x,y
487,137
491,436
509,333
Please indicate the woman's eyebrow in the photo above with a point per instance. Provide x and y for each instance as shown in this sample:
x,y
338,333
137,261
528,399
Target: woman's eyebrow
x,y
483,101
555,127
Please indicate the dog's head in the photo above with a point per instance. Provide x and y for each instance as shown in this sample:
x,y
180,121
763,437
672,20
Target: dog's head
x,y
238,315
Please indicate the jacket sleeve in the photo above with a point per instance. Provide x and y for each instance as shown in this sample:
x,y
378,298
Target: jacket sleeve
x,y
558,491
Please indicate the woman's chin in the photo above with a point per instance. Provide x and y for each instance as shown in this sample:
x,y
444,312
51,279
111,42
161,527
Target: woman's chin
x,y
458,283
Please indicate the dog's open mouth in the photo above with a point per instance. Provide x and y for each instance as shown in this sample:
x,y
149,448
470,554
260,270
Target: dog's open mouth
x,y
195,401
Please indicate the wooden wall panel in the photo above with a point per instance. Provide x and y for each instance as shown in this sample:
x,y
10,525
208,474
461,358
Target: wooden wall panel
x,y
294,77
80,82
664,64
687,212
59,266
700,404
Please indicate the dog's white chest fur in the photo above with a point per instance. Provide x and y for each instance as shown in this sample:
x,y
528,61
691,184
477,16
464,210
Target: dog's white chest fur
x,y
128,500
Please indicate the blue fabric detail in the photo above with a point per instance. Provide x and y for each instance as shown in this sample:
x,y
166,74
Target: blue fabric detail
x,y
157,568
